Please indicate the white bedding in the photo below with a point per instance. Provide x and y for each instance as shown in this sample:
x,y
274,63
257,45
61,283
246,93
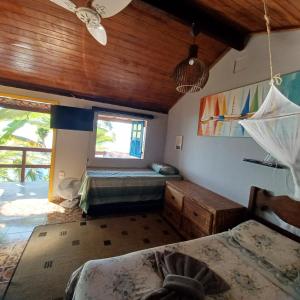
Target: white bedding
x,y
255,261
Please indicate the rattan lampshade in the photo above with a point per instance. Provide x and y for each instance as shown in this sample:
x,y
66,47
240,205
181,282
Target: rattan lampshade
x,y
191,74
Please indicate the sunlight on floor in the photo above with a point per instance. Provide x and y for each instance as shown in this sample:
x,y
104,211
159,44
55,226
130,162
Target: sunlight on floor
x,y
28,207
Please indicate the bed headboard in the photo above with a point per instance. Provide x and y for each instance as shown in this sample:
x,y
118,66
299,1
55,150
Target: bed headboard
x,y
281,213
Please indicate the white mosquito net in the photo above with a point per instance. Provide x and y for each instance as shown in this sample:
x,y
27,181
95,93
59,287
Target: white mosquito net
x,y
276,128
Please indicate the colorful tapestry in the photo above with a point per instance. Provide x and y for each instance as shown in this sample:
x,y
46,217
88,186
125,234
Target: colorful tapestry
x,y
219,114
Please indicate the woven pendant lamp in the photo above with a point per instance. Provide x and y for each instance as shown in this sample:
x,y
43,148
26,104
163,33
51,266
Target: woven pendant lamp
x,y
191,74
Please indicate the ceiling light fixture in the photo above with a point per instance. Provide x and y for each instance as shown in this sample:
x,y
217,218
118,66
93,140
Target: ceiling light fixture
x,y
191,74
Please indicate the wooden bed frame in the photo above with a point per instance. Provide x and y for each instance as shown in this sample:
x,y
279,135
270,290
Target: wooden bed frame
x,y
284,207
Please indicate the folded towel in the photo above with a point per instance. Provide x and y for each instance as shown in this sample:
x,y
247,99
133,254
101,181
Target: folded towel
x,y
185,278
70,289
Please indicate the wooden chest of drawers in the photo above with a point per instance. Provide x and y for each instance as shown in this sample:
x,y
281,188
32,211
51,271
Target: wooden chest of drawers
x,y
196,212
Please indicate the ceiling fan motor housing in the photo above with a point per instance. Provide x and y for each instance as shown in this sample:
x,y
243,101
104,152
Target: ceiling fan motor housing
x,y
88,15
93,14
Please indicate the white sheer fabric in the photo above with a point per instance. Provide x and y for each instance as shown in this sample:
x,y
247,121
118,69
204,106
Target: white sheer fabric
x,y
276,128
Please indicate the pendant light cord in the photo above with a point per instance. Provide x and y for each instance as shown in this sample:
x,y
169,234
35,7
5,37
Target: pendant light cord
x,y
274,78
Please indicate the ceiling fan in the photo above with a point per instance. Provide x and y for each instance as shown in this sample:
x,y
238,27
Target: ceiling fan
x,y
92,15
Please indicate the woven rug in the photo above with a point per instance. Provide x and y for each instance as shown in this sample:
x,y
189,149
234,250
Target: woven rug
x,y
54,251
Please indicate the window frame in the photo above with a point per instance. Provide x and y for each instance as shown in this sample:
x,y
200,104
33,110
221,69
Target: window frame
x,y
111,117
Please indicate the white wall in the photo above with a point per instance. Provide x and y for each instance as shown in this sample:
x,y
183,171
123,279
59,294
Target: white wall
x,y
216,162
74,148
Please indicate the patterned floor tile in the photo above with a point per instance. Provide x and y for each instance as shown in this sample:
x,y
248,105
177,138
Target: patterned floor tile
x,y
24,224
6,273
15,232
16,237
7,248
13,259
3,258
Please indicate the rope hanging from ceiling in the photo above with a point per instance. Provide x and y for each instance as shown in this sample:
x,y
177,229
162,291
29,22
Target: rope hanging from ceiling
x,y
273,78
275,126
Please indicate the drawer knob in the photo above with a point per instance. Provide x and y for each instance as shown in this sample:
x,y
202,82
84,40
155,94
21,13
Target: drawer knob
x,y
173,198
195,214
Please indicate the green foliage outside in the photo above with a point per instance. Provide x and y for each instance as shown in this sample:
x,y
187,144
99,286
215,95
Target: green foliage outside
x,y
24,129
104,135
32,129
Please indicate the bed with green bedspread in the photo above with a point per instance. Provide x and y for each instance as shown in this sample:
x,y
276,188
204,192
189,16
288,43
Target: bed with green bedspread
x,y
104,187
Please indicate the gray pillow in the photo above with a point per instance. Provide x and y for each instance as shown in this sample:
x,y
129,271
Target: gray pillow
x,y
164,169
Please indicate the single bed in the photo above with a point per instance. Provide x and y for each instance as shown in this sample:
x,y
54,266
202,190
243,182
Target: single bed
x,y
256,261
104,190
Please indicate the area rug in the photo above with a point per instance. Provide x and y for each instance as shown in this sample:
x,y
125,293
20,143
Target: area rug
x,y
54,251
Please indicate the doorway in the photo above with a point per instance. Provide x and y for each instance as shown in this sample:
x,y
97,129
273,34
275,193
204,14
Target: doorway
x,y
25,150
26,166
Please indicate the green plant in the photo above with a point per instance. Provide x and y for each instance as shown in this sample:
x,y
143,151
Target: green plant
x,y
104,135
11,122
16,119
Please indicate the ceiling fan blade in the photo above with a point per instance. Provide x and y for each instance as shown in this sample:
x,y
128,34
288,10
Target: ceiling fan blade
x,y
67,4
98,32
109,8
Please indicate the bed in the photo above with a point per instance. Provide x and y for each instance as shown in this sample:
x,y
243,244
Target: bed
x,y
256,261
103,191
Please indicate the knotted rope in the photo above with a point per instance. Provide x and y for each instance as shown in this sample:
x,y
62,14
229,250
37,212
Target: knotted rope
x,y
274,78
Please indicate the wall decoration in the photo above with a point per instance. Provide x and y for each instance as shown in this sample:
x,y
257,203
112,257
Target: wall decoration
x,y
219,114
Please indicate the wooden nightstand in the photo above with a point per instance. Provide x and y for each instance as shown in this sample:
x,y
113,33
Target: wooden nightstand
x,y
196,211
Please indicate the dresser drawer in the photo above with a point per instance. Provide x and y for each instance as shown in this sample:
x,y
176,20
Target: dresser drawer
x,y
172,215
174,197
198,215
190,230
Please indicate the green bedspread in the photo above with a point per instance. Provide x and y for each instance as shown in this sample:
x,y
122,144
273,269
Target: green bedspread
x,y
118,186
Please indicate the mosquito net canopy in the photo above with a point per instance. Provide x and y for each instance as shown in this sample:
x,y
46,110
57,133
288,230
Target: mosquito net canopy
x,y
276,128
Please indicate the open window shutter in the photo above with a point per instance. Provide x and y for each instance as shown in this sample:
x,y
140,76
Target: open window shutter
x,y
72,118
137,136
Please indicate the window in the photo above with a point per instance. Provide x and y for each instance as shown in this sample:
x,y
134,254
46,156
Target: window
x,y
120,137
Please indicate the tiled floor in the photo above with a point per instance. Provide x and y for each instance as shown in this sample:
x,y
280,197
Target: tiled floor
x,y
29,190
46,276
23,207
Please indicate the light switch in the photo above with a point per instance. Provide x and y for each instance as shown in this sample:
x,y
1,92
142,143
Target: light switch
x,y
178,143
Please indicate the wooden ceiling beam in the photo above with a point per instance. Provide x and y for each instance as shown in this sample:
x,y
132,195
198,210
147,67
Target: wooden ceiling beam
x,y
206,21
143,105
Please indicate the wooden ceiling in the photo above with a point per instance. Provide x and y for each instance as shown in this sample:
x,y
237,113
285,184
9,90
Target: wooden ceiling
x,y
44,47
284,14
